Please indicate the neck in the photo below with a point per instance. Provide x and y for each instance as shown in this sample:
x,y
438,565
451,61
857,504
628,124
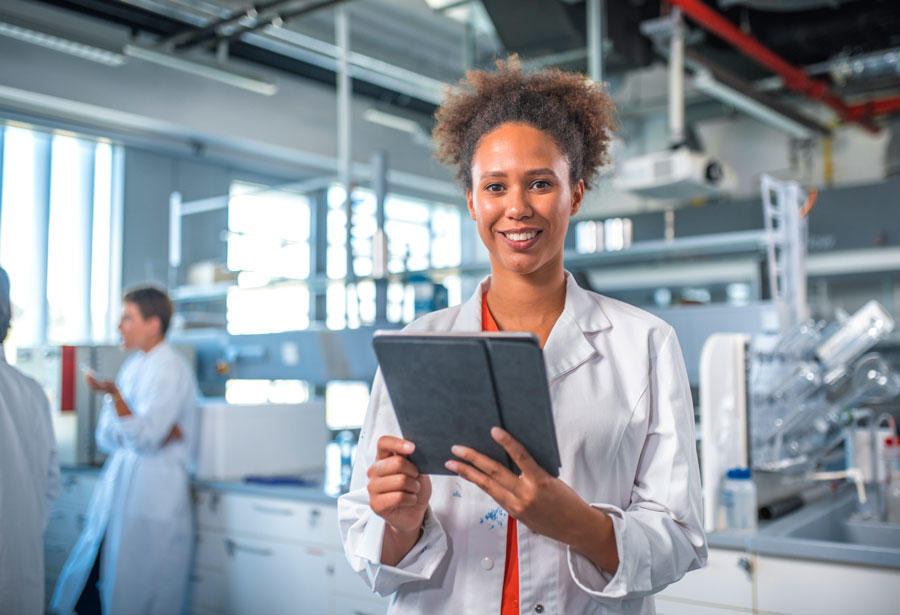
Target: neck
x,y
530,302
150,345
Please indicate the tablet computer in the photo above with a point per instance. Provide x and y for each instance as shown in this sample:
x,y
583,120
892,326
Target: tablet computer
x,y
449,388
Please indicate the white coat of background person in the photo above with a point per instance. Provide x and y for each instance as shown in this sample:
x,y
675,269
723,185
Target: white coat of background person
x,y
29,479
141,507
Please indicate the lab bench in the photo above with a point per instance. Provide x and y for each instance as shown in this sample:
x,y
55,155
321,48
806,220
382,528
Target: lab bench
x,y
276,549
786,568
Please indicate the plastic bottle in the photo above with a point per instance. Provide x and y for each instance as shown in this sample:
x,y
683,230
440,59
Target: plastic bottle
x,y
739,500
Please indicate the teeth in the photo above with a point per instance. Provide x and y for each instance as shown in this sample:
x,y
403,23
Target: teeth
x,y
522,236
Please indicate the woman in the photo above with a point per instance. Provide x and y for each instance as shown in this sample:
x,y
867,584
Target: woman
x,y
622,521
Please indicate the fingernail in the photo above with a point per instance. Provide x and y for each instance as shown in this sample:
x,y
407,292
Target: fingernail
x,y
450,465
408,447
496,432
457,450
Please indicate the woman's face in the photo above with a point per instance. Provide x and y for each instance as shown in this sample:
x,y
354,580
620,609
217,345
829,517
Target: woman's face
x,y
522,198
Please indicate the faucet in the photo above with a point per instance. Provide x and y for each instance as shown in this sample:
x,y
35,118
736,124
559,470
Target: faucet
x,y
852,474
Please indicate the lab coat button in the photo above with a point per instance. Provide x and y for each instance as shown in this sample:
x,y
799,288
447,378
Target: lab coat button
x,y
487,563
538,608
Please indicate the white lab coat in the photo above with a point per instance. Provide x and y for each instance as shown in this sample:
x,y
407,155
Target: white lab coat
x,y
625,427
29,482
141,507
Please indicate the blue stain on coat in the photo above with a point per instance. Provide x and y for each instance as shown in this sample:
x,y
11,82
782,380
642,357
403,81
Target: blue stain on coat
x,y
494,518
457,493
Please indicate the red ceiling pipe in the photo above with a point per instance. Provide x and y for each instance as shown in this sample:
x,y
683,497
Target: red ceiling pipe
x,y
876,107
794,78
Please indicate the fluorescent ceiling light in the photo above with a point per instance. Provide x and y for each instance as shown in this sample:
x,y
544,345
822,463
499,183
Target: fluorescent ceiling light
x,y
64,45
202,69
390,120
706,83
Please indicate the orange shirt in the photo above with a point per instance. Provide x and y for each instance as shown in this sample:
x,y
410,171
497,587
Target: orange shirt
x,y
509,603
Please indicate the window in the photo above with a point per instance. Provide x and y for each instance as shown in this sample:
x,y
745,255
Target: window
x,y
421,235
268,244
345,403
602,235
266,391
59,187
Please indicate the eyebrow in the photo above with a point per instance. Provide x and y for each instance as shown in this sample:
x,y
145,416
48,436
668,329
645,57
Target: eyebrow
x,y
544,171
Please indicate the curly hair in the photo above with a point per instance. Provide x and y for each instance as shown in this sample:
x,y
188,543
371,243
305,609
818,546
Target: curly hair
x,y
575,112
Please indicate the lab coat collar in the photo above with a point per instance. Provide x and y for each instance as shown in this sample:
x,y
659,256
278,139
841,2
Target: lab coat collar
x,y
569,344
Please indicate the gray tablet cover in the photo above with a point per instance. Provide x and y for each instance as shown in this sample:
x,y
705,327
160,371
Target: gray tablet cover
x,y
451,389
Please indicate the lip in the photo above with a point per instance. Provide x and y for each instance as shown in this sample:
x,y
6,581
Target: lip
x,y
521,245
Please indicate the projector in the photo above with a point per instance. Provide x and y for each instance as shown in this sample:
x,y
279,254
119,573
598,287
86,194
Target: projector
x,y
680,174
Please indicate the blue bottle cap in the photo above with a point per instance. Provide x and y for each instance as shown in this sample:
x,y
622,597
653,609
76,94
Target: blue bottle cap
x,y
739,474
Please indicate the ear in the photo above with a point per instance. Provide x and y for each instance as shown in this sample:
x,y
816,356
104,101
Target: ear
x,y
470,204
577,196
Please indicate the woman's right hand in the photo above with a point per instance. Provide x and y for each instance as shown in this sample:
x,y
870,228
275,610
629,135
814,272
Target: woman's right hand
x,y
397,492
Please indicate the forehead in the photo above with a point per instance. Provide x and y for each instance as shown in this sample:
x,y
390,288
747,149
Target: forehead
x,y
131,308
514,143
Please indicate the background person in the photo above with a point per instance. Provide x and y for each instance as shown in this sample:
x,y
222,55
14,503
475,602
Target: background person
x,y
141,508
623,520
29,479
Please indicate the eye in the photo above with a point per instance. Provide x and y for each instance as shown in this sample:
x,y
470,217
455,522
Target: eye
x,y
495,187
541,184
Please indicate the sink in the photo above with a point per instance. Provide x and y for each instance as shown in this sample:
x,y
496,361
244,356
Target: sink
x,y
844,525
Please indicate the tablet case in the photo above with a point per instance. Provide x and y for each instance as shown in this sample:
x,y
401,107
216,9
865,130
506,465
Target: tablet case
x,y
451,389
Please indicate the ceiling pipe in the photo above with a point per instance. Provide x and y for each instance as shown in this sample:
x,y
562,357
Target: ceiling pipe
x,y
876,107
794,78
189,38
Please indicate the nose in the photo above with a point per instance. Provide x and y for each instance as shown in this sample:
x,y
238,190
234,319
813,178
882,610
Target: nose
x,y
518,204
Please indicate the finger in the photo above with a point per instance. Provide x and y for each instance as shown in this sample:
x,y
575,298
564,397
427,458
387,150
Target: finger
x,y
517,452
390,445
395,464
395,482
497,471
387,502
501,495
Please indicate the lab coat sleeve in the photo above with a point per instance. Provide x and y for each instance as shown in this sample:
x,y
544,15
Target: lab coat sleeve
x,y
362,531
106,433
156,411
659,536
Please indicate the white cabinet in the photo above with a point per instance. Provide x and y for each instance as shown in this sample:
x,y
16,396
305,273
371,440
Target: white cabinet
x,y
725,585
270,555
800,587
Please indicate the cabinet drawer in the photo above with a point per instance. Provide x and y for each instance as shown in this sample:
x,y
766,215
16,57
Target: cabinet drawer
x,y
274,577
722,582
210,551
208,590
208,506
345,605
801,587
282,519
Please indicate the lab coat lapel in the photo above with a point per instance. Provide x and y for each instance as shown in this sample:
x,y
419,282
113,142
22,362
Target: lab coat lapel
x,y
569,344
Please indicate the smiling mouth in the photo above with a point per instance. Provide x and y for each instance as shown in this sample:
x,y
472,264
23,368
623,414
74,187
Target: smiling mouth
x,y
520,235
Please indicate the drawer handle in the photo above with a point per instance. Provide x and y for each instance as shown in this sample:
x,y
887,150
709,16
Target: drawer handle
x,y
272,510
231,546
746,565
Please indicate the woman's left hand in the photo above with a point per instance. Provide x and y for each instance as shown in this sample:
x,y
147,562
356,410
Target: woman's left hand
x,y
545,504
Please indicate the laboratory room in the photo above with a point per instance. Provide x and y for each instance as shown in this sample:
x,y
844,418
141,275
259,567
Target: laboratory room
x,y
449,306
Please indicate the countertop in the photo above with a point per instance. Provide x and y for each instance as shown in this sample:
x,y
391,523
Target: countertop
x,y
772,538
